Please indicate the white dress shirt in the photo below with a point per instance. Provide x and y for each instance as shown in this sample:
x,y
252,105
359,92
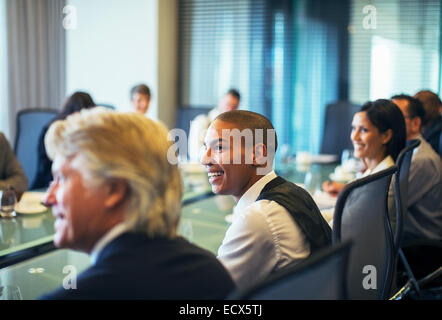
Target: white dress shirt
x,y
263,238
106,239
384,164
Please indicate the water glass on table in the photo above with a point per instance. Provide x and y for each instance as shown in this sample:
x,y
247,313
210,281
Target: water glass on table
x,y
8,200
312,182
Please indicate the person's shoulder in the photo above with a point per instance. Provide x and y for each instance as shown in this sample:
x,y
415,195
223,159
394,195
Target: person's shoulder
x,y
258,216
425,154
201,117
2,138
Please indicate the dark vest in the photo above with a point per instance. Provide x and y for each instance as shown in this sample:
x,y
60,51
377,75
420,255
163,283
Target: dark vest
x,y
303,210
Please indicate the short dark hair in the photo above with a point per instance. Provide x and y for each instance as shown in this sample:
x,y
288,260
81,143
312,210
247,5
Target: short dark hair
x,y
244,119
77,101
234,93
384,114
431,103
415,107
141,89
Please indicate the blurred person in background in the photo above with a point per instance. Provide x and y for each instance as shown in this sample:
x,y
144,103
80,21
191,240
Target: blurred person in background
x,y
432,123
11,172
423,219
76,102
198,126
140,96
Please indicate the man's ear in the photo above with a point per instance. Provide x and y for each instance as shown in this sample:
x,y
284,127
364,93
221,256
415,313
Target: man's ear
x,y
117,191
259,154
416,122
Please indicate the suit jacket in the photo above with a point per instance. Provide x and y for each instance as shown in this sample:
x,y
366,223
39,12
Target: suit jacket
x,y
133,266
11,172
432,134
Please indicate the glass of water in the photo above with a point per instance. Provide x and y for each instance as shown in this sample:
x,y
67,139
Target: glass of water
x,y
7,205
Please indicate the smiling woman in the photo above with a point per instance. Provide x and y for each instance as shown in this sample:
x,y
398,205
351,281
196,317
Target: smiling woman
x,y
378,135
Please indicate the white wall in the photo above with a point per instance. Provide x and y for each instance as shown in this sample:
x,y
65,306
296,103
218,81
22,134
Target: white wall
x,y
114,47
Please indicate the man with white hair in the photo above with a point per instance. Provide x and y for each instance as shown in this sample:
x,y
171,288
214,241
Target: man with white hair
x,y
116,196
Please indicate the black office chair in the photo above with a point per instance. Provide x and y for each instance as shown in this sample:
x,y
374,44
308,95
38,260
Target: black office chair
x,y
400,187
30,122
320,277
420,252
337,127
106,105
361,214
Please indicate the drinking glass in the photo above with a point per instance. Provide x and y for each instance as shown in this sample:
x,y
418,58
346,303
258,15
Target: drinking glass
x,y
312,181
8,201
346,155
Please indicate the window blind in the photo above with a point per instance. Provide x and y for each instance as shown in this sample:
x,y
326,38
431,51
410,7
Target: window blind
x,y
399,53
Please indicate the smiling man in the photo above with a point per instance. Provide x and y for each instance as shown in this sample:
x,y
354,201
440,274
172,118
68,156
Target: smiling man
x,y
274,222
116,197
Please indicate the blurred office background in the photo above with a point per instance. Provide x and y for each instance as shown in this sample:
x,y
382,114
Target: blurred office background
x,y
288,58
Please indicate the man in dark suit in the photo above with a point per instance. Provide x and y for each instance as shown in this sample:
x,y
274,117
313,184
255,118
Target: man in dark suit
x,y
116,196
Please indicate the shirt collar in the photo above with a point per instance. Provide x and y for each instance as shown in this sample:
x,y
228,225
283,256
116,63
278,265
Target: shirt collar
x,y
253,192
113,233
384,164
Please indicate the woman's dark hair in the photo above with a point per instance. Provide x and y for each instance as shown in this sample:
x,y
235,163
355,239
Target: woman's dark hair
x,y
77,101
384,114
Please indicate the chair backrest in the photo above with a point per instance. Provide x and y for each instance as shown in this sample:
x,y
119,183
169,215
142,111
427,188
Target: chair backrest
x,y
30,122
185,115
320,277
403,162
106,105
361,214
337,127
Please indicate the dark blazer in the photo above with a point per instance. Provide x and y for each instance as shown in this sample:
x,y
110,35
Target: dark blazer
x,y
133,266
44,165
433,135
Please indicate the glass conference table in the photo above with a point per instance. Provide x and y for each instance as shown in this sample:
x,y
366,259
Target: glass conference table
x,y
205,219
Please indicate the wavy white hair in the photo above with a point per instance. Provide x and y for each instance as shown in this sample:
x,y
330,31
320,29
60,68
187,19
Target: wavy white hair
x,y
106,145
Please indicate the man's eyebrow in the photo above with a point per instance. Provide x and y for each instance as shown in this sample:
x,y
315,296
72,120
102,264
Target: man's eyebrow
x,y
214,141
